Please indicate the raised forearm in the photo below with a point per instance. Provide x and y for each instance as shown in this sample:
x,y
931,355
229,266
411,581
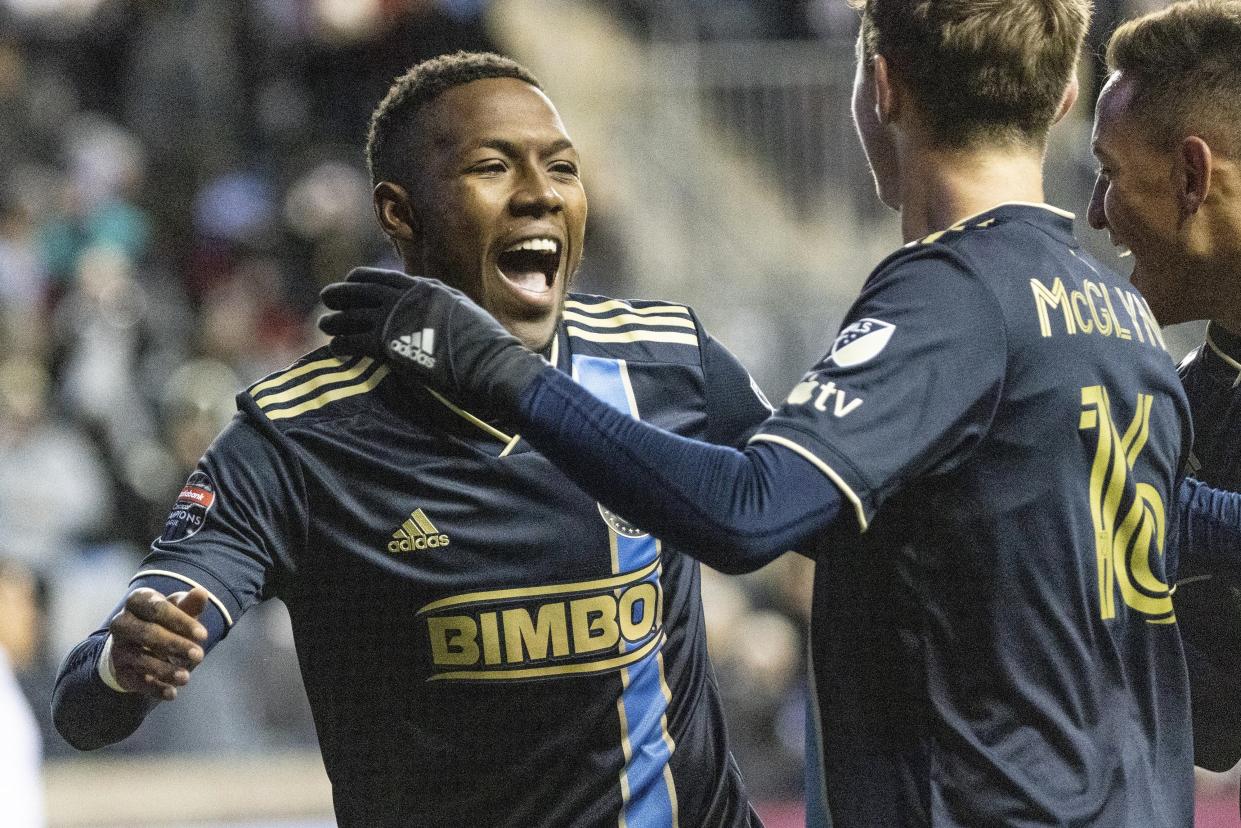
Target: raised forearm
x,y
734,510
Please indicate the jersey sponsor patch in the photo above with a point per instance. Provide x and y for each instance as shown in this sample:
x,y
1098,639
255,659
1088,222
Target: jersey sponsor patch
x,y
826,396
861,342
189,513
547,630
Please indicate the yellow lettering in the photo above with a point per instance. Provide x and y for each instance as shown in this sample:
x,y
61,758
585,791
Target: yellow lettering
x,y
1124,544
491,637
1129,301
594,623
1093,290
1078,300
453,639
643,600
1057,296
1152,325
521,635
1121,330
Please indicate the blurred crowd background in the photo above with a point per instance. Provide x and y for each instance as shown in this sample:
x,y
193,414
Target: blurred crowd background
x,y
179,178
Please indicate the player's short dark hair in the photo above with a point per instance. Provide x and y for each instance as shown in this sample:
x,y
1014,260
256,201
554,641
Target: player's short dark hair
x,y
1185,66
391,142
979,69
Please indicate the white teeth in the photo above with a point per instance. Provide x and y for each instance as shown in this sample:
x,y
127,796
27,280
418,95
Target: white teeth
x,y
539,245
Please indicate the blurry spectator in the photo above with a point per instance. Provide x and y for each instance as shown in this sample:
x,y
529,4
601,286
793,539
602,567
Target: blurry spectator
x,y
328,210
101,324
195,405
714,20
185,89
95,209
762,680
53,490
23,276
234,209
21,748
756,630
247,323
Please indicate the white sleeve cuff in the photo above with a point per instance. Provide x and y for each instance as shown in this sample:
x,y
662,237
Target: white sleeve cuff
x,y
106,670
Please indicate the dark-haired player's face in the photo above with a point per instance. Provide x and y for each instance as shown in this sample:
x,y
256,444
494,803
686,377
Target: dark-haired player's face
x,y
1135,200
500,207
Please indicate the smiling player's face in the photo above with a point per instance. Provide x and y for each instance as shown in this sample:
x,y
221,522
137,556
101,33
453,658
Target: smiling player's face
x,y
500,209
1135,201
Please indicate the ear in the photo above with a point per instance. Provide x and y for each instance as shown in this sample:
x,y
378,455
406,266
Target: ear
x,y
395,213
887,101
1194,173
1068,98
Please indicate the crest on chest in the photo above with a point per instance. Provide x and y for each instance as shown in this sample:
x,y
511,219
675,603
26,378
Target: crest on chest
x,y
619,525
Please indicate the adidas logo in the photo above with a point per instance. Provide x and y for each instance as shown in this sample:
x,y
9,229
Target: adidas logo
x,y
416,347
417,532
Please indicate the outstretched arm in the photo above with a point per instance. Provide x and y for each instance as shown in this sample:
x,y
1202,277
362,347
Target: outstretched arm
x,y
109,682
734,510
236,514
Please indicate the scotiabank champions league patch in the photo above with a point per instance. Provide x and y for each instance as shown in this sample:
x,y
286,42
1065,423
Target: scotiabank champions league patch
x,y
190,511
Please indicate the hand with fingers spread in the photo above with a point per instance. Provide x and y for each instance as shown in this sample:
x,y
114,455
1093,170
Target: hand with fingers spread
x,y
429,332
157,641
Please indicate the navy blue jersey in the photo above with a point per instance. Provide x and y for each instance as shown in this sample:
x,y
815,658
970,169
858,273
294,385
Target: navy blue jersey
x,y
481,642
1208,601
998,647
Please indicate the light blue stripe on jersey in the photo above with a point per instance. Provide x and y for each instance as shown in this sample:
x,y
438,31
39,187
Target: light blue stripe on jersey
x,y
650,803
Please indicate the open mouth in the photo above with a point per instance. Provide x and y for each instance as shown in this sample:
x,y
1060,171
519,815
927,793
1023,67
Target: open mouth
x,y
531,264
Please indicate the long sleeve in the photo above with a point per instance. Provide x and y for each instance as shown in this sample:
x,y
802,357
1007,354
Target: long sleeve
x,y
733,510
232,523
87,713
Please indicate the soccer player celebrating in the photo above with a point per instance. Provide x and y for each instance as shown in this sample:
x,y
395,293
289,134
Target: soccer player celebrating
x,y
482,644
1168,140
983,463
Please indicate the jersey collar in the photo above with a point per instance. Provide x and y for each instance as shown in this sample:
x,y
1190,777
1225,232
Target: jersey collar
x,y
1045,216
1050,219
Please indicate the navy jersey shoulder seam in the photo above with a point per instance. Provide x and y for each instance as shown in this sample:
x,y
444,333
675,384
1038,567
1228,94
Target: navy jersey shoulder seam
x,y
268,430
1005,335
624,350
333,409
966,264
